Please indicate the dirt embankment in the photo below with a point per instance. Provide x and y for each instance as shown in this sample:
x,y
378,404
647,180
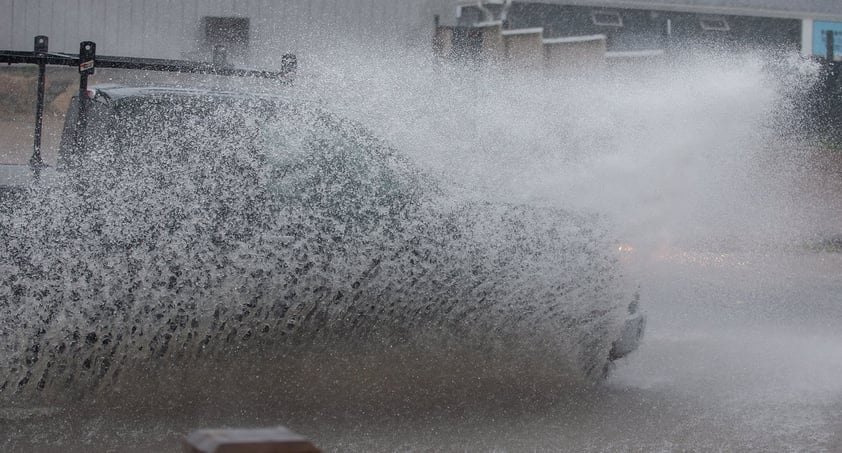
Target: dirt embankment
x,y
18,93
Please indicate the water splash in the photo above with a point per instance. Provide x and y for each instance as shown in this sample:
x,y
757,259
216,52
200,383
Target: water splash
x,y
214,239
708,149
232,244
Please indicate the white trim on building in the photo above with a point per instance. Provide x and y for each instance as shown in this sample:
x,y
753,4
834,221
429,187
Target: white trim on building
x,y
806,37
523,31
574,39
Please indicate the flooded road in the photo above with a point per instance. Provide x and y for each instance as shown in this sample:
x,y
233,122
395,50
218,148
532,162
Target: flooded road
x,y
743,353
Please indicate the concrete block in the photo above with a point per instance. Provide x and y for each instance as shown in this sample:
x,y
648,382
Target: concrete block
x,y
493,48
524,47
443,41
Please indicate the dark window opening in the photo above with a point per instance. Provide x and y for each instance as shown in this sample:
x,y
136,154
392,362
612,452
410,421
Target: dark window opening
x,y
607,18
232,33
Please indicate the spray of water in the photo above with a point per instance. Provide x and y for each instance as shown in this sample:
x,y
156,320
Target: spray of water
x,y
689,150
230,240
264,242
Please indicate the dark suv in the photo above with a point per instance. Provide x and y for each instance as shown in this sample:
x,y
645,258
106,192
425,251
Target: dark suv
x,y
187,224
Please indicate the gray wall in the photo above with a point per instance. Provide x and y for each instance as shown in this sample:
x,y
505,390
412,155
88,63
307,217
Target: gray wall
x,y
172,28
645,29
793,9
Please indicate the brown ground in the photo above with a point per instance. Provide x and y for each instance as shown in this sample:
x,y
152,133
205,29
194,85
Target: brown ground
x,y
17,111
16,139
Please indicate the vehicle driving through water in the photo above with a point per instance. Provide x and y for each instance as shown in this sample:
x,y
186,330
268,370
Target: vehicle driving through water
x,y
195,234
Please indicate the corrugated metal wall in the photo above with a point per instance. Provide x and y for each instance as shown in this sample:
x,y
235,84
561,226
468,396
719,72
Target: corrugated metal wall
x,y
172,28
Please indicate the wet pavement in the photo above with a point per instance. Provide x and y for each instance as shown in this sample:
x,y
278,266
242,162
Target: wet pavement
x,y
742,353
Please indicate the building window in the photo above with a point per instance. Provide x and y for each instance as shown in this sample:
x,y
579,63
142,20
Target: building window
x,y
714,24
607,18
229,32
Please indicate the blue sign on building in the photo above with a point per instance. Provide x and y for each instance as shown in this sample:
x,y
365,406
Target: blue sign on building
x,y
820,30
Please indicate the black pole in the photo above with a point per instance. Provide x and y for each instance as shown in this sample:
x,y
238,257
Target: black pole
x,y
36,163
87,66
830,45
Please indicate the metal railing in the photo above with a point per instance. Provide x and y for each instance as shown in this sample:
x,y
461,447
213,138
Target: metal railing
x,y
87,61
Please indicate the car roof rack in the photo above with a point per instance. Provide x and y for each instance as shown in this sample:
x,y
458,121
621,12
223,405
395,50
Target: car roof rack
x,y
87,61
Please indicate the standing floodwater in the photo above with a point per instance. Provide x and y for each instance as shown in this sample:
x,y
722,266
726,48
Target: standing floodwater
x,y
424,311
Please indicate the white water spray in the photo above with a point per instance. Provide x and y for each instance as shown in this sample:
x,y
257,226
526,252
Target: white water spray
x,y
702,154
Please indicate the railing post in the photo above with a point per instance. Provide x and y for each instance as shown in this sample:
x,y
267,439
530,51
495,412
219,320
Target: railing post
x,y
87,67
36,163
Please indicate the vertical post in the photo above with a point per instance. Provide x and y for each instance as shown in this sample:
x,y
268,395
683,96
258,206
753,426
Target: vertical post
x,y
87,66
825,106
438,41
36,163
667,37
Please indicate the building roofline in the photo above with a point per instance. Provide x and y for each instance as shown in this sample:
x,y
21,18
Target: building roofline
x,y
686,8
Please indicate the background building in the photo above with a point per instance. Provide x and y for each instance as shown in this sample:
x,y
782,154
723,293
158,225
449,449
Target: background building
x,y
249,28
190,28
637,25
